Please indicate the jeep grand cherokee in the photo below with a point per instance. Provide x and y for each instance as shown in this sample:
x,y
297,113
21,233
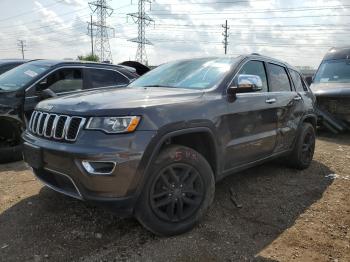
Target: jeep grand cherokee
x,y
156,148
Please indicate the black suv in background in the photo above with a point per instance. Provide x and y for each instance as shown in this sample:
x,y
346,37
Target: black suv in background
x,y
24,86
156,148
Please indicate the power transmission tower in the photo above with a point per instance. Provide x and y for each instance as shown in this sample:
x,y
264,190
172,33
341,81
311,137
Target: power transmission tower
x,y
22,44
226,36
102,10
142,19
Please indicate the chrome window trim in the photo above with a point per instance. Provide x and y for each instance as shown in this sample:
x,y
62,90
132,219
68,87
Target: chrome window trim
x,y
73,67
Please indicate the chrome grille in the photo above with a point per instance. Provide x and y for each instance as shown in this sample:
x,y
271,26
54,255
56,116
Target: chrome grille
x,y
57,127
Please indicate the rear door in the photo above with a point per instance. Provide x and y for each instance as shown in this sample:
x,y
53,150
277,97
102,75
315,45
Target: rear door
x,y
251,122
287,103
100,78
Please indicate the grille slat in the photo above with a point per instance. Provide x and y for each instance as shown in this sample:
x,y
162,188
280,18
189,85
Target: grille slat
x,y
57,127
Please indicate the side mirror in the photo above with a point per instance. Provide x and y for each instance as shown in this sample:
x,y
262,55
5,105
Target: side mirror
x,y
42,85
46,93
246,83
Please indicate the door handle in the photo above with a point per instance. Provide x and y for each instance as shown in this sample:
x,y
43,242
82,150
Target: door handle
x,y
297,98
271,100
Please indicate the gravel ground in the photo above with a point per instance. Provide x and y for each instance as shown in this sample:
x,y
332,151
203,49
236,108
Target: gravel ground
x,y
286,215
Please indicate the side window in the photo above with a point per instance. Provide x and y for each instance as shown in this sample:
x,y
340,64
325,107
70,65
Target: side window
x,y
297,80
63,80
256,68
279,80
103,78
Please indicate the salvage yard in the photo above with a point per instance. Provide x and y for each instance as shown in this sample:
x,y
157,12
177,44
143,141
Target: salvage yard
x,y
286,215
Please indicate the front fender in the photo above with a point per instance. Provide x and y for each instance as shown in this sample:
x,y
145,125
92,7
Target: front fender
x,y
161,137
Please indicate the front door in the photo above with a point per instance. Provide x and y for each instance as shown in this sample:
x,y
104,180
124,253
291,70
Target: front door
x,y
63,81
251,122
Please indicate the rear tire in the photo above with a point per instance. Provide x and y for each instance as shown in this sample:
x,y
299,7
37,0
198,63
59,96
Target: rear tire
x,y
302,154
179,189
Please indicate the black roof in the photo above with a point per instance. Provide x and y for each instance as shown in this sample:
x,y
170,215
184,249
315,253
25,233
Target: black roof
x,y
49,62
55,63
336,53
255,55
11,61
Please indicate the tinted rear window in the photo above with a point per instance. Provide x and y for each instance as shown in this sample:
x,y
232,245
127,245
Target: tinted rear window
x,y
298,82
279,80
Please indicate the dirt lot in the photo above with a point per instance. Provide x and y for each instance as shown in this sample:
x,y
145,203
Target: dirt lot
x,y
286,215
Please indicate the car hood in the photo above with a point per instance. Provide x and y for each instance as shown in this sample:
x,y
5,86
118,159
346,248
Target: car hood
x,y
331,89
109,100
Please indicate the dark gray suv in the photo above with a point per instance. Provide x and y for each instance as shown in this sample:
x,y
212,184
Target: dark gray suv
x,y
156,148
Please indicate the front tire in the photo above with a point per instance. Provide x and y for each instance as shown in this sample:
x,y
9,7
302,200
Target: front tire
x,y
302,154
178,191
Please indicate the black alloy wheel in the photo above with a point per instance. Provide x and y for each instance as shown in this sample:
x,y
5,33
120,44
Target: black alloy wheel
x,y
177,192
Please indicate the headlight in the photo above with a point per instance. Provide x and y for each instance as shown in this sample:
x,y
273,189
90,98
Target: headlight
x,y
114,124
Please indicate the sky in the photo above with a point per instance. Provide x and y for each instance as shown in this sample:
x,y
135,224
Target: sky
x,y
296,31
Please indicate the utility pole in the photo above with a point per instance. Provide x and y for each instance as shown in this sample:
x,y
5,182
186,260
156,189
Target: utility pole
x,y
22,44
226,36
102,48
142,19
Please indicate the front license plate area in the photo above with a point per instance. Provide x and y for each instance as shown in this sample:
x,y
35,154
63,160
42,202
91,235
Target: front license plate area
x,y
33,156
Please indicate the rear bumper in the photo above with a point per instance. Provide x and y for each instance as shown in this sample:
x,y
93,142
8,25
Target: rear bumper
x,y
62,170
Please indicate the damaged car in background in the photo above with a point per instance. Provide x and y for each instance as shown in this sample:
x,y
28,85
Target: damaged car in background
x,y
26,85
331,86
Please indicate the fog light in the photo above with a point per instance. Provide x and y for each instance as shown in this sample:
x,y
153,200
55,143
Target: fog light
x,y
99,167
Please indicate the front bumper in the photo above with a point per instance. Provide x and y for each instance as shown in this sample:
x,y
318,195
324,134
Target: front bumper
x,y
337,106
61,166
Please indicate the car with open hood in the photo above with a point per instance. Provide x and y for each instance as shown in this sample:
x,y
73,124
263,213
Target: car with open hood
x,y
331,86
23,87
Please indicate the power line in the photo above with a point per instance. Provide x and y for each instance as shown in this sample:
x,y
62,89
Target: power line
x,y
142,19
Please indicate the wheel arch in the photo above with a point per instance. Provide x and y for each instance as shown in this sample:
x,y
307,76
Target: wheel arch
x,y
11,128
309,118
161,140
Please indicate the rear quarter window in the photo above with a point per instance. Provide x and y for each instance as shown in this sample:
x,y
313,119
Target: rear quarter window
x,y
298,81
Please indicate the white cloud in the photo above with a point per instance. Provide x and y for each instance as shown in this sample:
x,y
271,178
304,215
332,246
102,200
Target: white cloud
x,y
183,29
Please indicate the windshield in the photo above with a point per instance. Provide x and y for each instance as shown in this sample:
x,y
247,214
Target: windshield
x,y
335,71
192,74
18,77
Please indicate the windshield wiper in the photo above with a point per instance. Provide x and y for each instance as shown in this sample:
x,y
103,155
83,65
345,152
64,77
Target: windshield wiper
x,y
160,86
